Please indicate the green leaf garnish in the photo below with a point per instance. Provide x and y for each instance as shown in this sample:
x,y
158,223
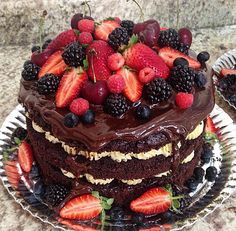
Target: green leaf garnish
x,y
17,140
85,64
110,19
133,40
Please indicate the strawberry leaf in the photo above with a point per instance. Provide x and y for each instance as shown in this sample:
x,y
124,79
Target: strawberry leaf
x,y
77,32
133,40
110,201
110,19
95,194
17,140
85,64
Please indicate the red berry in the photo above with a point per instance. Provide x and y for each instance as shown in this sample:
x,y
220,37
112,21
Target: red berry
x,y
86,25
116,83
79,106
85,38
25,156
184,100
115,61
117,19
146,75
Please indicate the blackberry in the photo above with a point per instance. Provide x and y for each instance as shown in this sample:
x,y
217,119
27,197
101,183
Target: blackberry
x,y
115,105
185,202
181,78
19,133
48,84
45,45
74,55
30,72
226,82
26,63
118,37
55,194
200,79
158,90
35,48
117,214
128,25
183,48
169,38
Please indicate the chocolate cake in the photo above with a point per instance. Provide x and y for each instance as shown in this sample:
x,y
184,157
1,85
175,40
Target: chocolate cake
x,y
113,110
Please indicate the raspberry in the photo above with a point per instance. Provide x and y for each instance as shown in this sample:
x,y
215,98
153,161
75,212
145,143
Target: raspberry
x,y
184,100
86,25
115,61
85,38
116,83
146,75
79,106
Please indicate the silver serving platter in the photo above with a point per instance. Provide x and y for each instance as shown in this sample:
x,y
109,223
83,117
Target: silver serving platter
x,y
207,197
227,60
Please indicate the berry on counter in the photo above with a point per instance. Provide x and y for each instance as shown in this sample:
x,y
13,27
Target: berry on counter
x,y
180,61
185,36
192,184
35,48
116,83
48,84
74,54
225,71
79,106
45,45
199,174
143,112
128,25
157,91
203,56
146,75
85,38
115,105
30,72
200,79
75,19
115,61
71,120
25,156
118,38
88,117
19,133
211,173
86,25
117,214
169,38
184,100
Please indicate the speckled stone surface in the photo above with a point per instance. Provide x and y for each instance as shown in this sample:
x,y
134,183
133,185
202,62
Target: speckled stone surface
x,y
19,19
12,217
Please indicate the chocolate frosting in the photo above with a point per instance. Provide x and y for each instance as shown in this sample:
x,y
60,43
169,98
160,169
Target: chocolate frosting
x,y
166,118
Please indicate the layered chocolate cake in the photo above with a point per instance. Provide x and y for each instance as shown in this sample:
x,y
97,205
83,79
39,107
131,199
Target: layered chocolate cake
x,y
116,107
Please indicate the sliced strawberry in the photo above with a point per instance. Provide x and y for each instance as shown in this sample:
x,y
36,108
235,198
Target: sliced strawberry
x,y
82,208
210,127
169,55
226,71
54,65
133,87
154,201
12,173
69,87
104,29
25,156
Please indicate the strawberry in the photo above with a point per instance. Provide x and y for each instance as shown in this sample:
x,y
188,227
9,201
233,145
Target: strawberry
x,y
86,25
210,127
133,88
226,71
69,87
98,53
25,156
54,65
83,207
184,100
79,106
140,56
146,75
169,55
12,173
62,40
115,61
104,29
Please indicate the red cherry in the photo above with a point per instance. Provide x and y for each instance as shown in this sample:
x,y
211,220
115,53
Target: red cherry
x,y
185,36
40,58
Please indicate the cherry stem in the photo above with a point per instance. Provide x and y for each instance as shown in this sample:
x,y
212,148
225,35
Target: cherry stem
x,y
85,4
140,8
41,29
92,52
177,18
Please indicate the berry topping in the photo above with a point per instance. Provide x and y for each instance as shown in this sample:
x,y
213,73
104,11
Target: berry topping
x,y
70,86
75,19
115,61
85,38
199,174
19,133
143,112
184,100
118,20
86,25
180,61
95,93
133,88
25,156
26,63
210,126
181,79
116,83
203,56
55,194
71,120
225,71
79,106
118,37
192,184
48,84
169,38
115,105
169,55
74,55
103,29
12,174
183,48
185,36
35,48
30,72
54,65
140,56
117,214
157,91
40,58
46,43
200,79
146,75
88,117
128,25
211,173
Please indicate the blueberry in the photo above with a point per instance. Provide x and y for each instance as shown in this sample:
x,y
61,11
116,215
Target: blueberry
x,y
143,112
203,56
167,216
200,80
71,120
39,189
35,48
185,202
138,218
181,62
206,153
34,173
232,99
116,214
88,117
45,45
211,173
192,184
19,133
27,62
199,174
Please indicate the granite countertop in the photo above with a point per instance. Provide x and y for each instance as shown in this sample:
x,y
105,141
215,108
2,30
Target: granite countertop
x,y
216,41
